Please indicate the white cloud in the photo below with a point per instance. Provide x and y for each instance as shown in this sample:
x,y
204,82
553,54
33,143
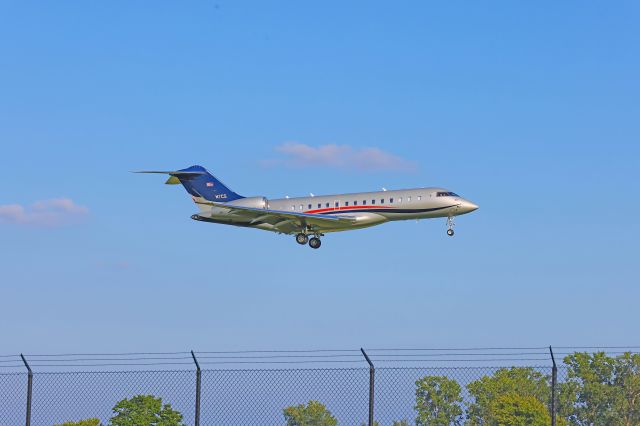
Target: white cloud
x,y
47,213
340,156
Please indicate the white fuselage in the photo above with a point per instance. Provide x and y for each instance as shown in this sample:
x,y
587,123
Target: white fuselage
x,y
368,208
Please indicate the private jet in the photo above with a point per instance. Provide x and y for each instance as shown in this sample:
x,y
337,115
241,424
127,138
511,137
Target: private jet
x,y
309,218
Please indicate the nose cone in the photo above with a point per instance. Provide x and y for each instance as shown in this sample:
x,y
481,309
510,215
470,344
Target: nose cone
x,y
467,206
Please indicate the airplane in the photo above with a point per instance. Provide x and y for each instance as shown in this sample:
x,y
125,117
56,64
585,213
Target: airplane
x,y
314,215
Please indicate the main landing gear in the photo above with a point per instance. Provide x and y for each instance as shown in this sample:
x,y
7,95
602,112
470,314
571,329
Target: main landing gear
x,y
314,242
450,225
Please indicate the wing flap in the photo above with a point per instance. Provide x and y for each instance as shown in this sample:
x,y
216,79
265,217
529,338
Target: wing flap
x,y
280,218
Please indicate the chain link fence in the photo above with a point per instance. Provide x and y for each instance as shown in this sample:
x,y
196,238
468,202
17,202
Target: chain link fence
x,y
398,392
13,392
258,397
81,395
396,389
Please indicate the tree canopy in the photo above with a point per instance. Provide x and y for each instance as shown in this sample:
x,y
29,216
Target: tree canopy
x,y
86,422
601,389
438,401
312,414
516,410
520,381
145,410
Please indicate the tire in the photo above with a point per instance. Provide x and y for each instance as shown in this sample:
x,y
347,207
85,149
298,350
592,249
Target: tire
x,y
315,243
302,239
450,232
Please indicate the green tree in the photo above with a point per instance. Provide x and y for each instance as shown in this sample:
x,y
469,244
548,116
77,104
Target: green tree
x,y
522,381
145,410
312,414
601,389
627,381
400,423
86,422
587,395
516,410
438,401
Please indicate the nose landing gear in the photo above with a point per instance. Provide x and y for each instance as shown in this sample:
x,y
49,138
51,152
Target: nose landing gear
x,y
450,225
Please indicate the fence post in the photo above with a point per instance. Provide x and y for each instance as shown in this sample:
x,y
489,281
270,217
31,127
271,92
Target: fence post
x,y
554,381
198,382
29,389
372,379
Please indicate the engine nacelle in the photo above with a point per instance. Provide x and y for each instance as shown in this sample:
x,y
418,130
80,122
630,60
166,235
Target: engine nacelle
x,y
251,202
369,219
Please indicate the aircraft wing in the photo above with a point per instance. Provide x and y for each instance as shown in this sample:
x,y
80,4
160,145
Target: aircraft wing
x,y
285,221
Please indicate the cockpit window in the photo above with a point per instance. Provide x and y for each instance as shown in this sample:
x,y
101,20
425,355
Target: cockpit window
x,y
446,194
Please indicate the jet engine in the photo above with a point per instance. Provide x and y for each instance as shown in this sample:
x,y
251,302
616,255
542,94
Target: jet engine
x,y
251,202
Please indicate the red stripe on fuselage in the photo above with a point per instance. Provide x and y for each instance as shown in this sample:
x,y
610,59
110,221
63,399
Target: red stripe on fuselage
x,y
346,208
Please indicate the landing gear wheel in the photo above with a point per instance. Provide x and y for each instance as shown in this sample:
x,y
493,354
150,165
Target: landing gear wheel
x,y
302,239
450,225
315,243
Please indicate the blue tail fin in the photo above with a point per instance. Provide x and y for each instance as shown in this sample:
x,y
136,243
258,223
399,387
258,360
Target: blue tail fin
x,y
200,183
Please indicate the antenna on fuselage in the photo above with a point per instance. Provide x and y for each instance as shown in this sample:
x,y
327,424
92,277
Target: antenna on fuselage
x,y
311,193
384,189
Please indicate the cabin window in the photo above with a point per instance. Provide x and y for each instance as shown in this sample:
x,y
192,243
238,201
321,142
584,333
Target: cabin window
x,y
300,206
399,199
364,202
346,204
337,204
355,203
419,197
319,205
373,201
293,207
382,201
327,205
309,206
408,199
391,200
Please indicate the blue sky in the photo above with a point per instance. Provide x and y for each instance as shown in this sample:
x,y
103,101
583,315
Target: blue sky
x,y
529,110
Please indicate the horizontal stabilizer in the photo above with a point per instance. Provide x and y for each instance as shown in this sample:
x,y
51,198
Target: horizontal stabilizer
x,y
177,173
199,183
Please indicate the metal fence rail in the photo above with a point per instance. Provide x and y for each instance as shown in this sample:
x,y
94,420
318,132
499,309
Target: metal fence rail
x,y
358,387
